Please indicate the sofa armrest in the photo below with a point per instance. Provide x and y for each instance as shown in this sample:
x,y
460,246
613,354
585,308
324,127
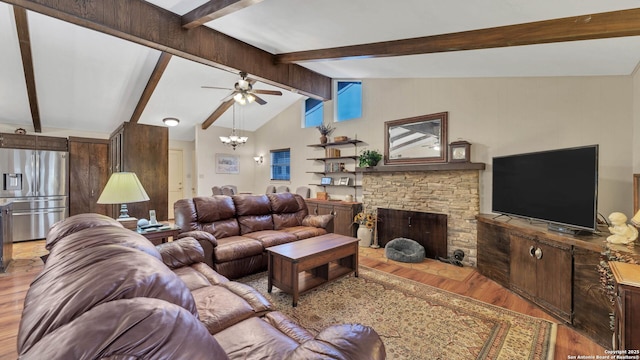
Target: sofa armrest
x,y
319,221
347,341
206,240
185,251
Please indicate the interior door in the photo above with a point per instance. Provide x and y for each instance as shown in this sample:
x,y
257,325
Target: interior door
x,y
176,187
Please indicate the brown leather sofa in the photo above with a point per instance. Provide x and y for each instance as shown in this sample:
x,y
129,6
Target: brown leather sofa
x,y
107,293
234,231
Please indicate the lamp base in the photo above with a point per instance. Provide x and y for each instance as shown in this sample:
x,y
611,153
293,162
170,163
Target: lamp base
x,y
124,211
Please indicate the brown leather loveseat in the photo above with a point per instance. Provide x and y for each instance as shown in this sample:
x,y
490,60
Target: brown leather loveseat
x,y
234,231
107,293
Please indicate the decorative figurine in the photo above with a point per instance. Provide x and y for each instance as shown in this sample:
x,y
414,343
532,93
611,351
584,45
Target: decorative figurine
x,y
621,232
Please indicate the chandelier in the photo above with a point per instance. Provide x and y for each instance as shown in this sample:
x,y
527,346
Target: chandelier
x,y
234,140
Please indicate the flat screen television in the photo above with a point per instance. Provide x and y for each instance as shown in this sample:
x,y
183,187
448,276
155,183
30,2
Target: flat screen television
x,y
559,187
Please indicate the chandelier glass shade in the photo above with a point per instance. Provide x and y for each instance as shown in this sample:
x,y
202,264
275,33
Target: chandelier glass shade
x,y
234,140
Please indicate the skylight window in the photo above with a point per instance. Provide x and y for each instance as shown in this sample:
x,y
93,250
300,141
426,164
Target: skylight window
x,y
348,99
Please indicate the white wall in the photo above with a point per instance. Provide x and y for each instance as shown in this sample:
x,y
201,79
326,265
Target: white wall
x,y
499,116
207,146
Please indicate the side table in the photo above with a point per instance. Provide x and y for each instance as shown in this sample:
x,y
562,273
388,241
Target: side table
x,y
160,235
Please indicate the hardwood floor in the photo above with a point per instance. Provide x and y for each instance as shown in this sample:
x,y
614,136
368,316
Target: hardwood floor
x,y
464,281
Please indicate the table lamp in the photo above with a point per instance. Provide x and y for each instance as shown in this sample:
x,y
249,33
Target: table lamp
x,y
123,188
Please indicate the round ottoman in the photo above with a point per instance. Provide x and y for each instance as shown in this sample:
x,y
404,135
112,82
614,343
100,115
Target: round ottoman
x,y
404,250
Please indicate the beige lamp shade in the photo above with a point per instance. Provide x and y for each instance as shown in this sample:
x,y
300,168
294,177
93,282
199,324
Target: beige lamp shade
x,y
122,188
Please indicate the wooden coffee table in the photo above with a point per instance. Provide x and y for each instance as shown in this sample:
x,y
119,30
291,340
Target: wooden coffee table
x,y
302,265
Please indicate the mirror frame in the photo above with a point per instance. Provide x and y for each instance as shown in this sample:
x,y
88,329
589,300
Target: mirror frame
x,y
443,117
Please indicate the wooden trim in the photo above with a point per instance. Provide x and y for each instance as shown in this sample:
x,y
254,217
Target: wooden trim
x,y
428,167
217,113
585,27
212,10
154,79
143,23
88,140
22,27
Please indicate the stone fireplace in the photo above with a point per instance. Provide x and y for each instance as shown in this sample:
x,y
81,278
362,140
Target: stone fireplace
x,y
451,192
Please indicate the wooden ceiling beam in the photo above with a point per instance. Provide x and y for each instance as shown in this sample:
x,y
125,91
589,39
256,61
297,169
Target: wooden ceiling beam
x,y
212,10
22,26
585,27
154,79
146,24
217,113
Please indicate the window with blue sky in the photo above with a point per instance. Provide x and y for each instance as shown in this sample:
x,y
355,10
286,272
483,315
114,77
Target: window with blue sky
x,y
348,99
313,112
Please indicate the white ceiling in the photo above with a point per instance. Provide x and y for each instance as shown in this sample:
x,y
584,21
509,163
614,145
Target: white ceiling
x,y
89,81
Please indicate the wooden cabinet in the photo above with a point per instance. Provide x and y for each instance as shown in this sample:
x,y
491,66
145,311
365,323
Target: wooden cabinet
x,y
540,271
343,213
336,165
88,175
564,280
428,229
36,142
627,306
144,150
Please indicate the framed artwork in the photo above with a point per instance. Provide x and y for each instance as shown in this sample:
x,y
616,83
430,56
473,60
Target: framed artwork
x,y
343,181
326,180
227,164
420,139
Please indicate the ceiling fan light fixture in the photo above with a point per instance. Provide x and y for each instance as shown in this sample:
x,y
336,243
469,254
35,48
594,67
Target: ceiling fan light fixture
x,y
250,98
171,121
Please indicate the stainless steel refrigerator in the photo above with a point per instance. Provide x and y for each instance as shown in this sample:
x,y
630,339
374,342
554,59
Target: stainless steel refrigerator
x,y
37,182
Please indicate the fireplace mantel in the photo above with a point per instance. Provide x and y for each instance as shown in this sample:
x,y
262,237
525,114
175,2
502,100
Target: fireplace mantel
x,y
423,167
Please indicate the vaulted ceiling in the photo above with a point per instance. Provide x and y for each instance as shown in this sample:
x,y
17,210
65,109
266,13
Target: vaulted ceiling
x,y
91,64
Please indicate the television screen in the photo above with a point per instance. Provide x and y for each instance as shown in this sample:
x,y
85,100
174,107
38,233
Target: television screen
x,y
557,186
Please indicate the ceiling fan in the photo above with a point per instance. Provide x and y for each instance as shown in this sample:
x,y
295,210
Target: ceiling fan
x,y
243,91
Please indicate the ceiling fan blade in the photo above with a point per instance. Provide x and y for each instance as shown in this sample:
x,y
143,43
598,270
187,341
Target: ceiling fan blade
x,y
267,92
215,87
259,100
229,97
217,113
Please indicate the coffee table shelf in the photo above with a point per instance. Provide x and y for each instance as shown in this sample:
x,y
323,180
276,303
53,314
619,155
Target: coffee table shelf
x,y
303,265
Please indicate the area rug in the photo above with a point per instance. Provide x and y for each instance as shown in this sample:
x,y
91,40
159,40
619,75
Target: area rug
x,y
417,321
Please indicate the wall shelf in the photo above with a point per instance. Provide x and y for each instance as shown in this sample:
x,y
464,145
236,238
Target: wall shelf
x,y
423,167
347,142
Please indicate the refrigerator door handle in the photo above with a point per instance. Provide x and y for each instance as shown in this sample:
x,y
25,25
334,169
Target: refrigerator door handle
x,y
37,175
37,212
15,201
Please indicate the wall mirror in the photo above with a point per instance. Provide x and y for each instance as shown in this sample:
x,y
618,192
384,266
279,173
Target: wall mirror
x,y
420,139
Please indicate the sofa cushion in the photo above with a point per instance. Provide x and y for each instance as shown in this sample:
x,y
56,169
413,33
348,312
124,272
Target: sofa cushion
x,y
254,338
74,224
283,203
214,208
252,205
192,278
270,238
219,308
139,328
93,237
285,220
236,247
251,223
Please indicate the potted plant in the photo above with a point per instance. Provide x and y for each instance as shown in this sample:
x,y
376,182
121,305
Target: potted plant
x,y
325,130
369,158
